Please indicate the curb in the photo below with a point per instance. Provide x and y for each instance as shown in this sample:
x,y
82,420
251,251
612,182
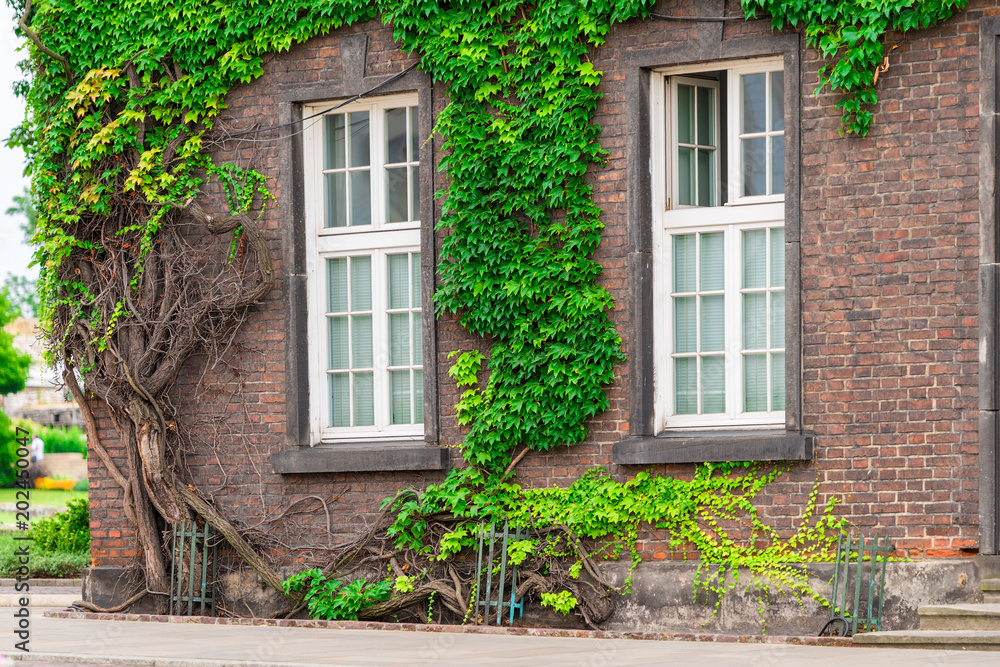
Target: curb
x,y
459,629
136,661
8,600
46,583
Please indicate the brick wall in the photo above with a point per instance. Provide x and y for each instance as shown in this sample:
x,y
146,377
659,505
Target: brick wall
x,y
889,232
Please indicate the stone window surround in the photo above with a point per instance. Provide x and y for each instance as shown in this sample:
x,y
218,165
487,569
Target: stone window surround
x,y
703,445
989,290
302,455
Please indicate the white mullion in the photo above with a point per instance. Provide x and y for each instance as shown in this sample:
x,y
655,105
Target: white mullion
x,y
377,114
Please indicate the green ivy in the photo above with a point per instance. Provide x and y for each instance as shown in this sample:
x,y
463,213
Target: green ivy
x,y
713,513
849,34
332,600
125,121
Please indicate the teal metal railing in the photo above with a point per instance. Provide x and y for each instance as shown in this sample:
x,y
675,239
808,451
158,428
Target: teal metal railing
x,y
494,545
193,550
859,584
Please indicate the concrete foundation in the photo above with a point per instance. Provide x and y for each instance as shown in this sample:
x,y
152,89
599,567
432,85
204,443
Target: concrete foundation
x,y
662,598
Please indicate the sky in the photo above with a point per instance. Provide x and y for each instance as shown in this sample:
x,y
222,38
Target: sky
x,y
14,254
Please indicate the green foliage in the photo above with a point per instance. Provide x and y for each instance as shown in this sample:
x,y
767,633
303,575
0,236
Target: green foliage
x,y
698,514
8,451
332,600
849,33
563,601
22,292
403,584
24,206
59,565
516,265
148,81
14,364
67,531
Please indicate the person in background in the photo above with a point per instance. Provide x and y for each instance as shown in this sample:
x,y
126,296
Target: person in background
x,y
37,449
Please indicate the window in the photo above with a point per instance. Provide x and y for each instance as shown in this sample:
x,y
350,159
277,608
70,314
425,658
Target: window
x,y
364,271
719,246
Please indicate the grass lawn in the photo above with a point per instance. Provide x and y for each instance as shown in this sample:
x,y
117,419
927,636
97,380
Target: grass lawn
x,y
38,497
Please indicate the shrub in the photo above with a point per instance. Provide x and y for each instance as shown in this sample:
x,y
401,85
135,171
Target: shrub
x,y
8,451
60,565
82,485
68,531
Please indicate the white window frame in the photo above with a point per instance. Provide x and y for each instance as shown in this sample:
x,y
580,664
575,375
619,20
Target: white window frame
x,y
737,215
378,240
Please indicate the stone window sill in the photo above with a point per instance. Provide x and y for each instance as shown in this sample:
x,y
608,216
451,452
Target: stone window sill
x,y
356,457
714,447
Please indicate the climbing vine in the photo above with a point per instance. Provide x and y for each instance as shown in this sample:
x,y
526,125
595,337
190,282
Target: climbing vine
x,y
850,35
123,101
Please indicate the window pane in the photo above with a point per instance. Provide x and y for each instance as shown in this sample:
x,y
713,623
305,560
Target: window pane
x,y
777,164
754,166
686,386
706,177
685,176
713,385
415,270
361,283
685,326
399,339
336,285
753,105
361,198
418,397
706,116
335,147
364,399
777,101
399,281
395,135
336,200
340,399
414,193
754,259
418,338
684,263
777,256
399,388
755,321
361,339
685,114
713,320
778,381
777,319
339,343
414,138
395,194
712,262
755,383
360,149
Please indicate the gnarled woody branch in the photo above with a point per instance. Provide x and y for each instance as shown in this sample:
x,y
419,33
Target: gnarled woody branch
x,y
22,23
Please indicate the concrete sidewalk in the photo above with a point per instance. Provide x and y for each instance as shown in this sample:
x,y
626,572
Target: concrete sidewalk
x,y
68,641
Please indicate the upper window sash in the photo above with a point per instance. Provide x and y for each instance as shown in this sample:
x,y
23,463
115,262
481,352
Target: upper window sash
x,y
756,127
362,164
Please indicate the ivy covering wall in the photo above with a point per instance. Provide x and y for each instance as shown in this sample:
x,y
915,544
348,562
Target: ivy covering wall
x,y
123,96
